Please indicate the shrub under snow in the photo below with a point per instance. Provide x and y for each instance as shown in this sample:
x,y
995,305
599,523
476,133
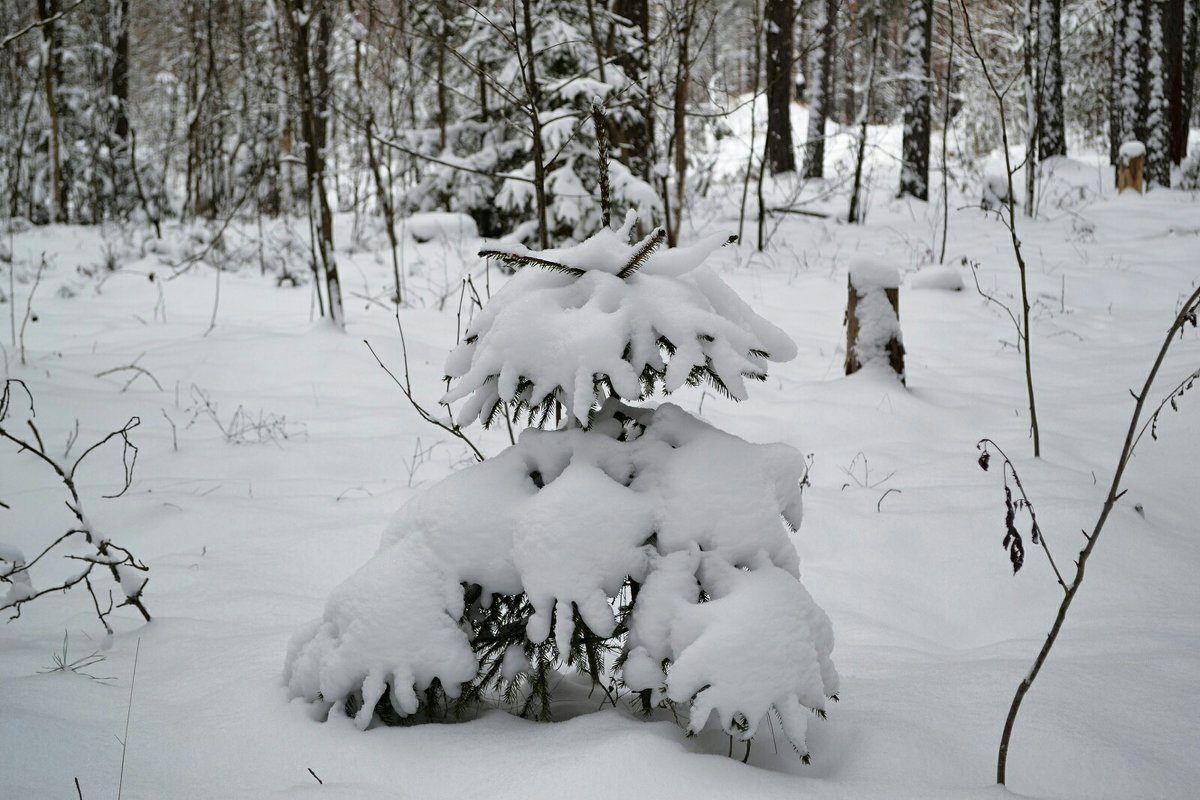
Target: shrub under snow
x,y
640,545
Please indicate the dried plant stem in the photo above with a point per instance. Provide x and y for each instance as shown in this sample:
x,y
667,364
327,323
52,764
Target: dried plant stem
x,y
128,712
1132,436
37,280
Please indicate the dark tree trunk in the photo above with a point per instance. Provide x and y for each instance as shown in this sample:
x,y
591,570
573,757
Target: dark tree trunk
x,y
1116,83
634,139
120,74
1052,137
914,171
1180,34
314,100
52,76
534,96
820,88
1156,120
780,19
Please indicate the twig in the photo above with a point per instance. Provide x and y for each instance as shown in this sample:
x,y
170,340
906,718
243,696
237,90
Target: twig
x,y
50,20
310,772
138,371
37,279
128,712
878,506
406,388
107,553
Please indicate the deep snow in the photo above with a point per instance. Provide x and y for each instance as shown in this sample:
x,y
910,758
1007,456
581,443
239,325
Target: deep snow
x,y
246,540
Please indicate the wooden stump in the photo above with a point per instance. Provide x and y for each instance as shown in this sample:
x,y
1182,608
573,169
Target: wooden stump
x,y
1130,163
881,290
1129,175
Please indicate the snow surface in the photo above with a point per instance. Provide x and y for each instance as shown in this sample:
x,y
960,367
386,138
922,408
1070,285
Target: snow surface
x,y
246,541
937,277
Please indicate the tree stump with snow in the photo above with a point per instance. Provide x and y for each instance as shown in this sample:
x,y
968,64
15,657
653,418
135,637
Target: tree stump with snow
x,y
873,318
1131,159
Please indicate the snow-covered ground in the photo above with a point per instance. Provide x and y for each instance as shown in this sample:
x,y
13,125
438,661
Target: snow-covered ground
x,y
248,520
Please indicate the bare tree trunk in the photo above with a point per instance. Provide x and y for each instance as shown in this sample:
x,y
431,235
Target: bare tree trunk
x,y
312,126
918,49
780,19
634,141
534,95
382,193
443,96
820,89
120,73
1052,137
683,32
1032,102
856,211
47,9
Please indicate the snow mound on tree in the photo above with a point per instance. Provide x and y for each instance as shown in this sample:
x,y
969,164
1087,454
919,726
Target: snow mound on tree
x,y
629,315
694,516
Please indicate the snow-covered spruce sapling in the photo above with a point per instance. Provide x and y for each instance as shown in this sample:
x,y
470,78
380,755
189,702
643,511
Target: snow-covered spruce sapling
x,y
1188,313
636,544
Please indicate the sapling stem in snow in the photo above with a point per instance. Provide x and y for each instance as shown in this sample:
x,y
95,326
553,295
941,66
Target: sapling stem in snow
x,y
1011,221
1133,435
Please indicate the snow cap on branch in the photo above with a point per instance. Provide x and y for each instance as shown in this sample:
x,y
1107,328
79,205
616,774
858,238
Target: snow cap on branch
x,y
608,317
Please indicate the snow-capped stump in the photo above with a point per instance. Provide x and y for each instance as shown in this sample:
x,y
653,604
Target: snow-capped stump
x,y
937,277
639,545
1131,158
873,317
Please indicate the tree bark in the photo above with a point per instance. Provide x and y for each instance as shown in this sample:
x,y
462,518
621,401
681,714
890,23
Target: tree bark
x,y
780,19
918,49
1052,137
1180,34
120,74
857,214
1158,133
313,121
47,9
535,98
819,88
634,139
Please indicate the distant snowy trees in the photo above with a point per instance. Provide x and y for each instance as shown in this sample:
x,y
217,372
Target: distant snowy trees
x,y
1153,67
115,111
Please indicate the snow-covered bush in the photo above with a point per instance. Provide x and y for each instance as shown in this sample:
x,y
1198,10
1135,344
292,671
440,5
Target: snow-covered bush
x,y
640,545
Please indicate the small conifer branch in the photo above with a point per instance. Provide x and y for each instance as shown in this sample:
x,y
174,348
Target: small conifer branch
x,y
598,117
645,248
517,260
